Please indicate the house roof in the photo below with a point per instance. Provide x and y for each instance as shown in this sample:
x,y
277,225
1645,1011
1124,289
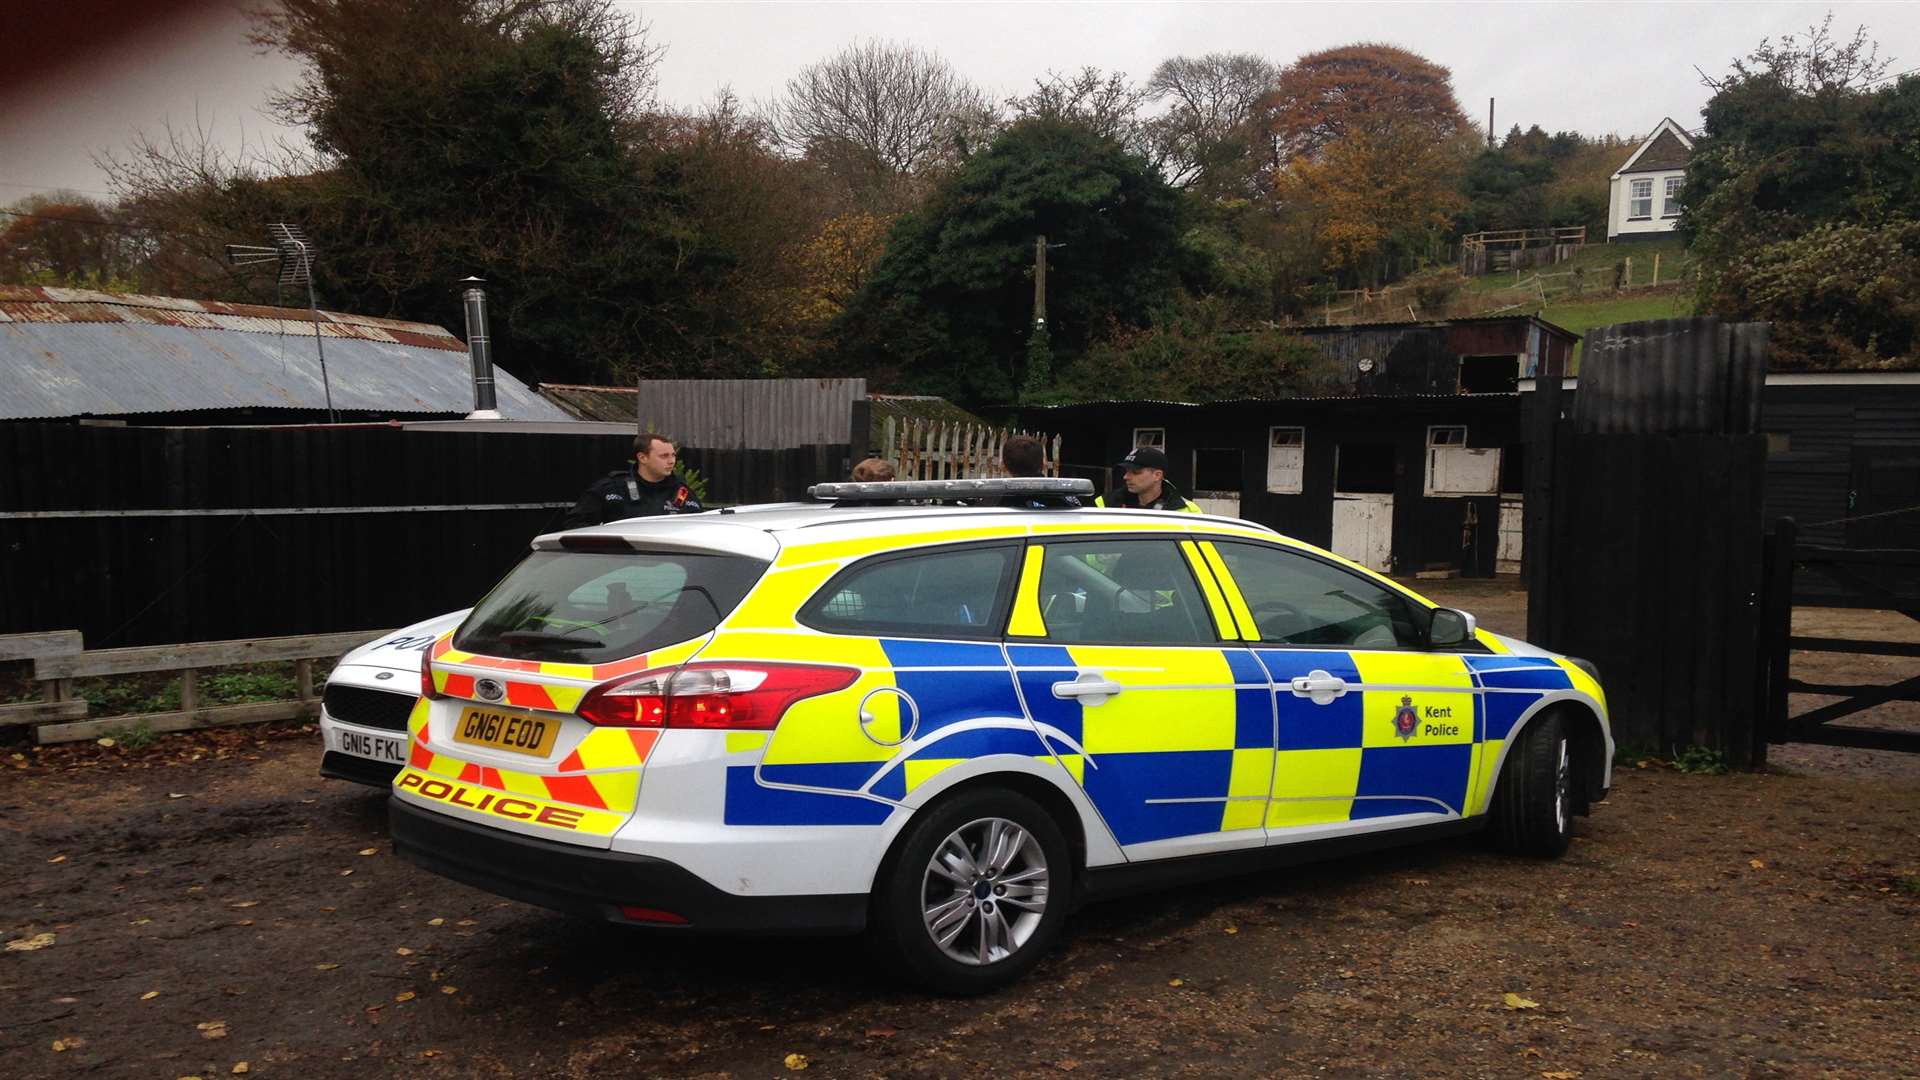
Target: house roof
x,y
1667,148
616,404
76,352
1407,324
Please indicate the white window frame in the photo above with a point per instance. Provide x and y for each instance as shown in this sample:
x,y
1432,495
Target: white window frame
x,y
1640,199
1670,197
1155,437
1286,461
1448,455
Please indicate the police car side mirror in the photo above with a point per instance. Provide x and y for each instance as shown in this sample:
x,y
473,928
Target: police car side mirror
x,y
1450,628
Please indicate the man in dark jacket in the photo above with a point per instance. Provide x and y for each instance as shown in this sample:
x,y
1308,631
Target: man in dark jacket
x,y
1145,486
647,488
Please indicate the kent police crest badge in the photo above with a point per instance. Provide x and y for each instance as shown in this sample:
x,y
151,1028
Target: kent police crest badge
x,y
1406,720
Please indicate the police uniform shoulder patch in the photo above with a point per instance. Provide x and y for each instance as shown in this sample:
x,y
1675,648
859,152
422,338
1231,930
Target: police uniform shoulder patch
x,y
1406,720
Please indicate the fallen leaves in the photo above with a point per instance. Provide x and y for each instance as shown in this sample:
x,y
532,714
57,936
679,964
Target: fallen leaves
x,y
1515,1001
149,995
241,1068
213,1029
244,903
325,967
1756,864
403,951
61,1046
1232,930
108,743
795,1062
1176,982
346,873
405,995
58,859
436,922
370,851
882,1032
449,989
1564,1074
32,944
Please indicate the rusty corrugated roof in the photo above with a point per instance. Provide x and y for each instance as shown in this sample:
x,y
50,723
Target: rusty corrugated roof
x,y
75,352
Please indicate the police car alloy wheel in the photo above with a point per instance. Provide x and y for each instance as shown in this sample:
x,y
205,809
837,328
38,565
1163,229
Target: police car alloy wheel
x,y
1532,812
976,895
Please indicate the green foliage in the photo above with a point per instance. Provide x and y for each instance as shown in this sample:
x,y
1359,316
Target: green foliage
x,y
1800,201
134,736
947,309
242,685
1436,289
1700,761
1190,352
1039,365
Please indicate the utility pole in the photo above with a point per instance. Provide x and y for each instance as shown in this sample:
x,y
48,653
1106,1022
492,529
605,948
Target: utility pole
x,y
1040,282
1489,123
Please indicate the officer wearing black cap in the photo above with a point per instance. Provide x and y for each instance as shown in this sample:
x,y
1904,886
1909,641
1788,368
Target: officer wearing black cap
x,y
1145,486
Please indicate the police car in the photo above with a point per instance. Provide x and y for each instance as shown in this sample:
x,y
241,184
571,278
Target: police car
x,y
949,726
367,699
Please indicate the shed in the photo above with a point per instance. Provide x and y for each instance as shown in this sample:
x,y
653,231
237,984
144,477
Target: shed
x,y
78,354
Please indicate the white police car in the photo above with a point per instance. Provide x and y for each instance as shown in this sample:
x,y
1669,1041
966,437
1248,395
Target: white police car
x,y
948,726
364,707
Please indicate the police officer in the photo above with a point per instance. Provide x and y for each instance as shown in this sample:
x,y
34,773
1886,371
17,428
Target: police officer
x,y
647,488
1145,485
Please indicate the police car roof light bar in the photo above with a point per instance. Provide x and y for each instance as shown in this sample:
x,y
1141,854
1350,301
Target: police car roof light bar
x,y
877,490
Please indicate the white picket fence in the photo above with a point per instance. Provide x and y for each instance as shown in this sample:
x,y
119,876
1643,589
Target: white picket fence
x,y
924,450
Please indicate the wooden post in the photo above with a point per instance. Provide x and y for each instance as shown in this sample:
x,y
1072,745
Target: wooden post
x,y
1656,268
303,679
189,690
1628,280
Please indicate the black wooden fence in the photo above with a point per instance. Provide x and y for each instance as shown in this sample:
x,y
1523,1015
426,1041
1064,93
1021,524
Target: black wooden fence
x,y
1644,529
138,535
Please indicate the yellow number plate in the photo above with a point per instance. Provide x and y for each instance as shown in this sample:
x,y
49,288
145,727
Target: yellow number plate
x,y
500,729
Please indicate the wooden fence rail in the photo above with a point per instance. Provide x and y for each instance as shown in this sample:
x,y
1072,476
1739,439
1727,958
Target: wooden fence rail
x,y
947,451
59,657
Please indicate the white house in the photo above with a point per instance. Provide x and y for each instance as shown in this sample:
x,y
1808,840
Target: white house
x,y
1643,200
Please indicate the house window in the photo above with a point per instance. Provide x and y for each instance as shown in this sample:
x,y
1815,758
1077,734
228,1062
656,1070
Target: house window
x,y
1286,460
1155,437
1671,207
1453,469
1641,204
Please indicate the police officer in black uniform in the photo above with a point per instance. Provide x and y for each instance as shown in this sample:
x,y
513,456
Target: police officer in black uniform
x,y
1145,485
646,488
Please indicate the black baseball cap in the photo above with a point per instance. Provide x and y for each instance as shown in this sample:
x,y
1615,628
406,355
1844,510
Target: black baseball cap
x,y
1145,457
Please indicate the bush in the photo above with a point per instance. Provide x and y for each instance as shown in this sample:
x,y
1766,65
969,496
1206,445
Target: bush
x,y
1187,354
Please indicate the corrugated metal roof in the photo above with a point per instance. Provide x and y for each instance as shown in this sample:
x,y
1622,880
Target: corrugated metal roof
x,y
124,367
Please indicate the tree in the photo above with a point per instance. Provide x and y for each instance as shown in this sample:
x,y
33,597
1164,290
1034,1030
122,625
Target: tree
x,y
516,140
877,117
69,240
1106,104
1800,196
1370,146
1322,97
1206,140
948,309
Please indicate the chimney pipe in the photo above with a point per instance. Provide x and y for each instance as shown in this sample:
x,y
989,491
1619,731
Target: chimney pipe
x,y
480,347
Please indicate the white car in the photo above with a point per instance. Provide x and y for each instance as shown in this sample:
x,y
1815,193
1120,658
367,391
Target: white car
x,y
370,692
950,725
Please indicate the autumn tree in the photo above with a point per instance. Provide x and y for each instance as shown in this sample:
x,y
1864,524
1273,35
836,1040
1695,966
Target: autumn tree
x,y
879,118
70,240
1370,144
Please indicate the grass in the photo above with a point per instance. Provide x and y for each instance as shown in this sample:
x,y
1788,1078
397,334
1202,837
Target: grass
x,y
1597,262
151,693
1582,316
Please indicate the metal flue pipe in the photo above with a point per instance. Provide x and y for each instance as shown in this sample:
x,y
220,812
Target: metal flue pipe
x,y
480,347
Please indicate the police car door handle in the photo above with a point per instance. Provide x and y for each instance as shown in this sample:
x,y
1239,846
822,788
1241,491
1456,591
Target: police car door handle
x,y
1090,687
1320,686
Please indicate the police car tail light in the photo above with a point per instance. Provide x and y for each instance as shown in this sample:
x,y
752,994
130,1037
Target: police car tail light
x,y
731,697
426,676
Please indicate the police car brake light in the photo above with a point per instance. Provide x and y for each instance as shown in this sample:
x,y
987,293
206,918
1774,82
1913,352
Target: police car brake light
x,y
427,689
728,697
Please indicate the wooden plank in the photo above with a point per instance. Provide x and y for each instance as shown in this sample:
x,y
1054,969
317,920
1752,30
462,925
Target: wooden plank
x,y
34,646
199,654
1865,738
41,712
1855,645
221,716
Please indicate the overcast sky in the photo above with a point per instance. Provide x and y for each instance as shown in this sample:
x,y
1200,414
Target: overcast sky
x,y
1590,67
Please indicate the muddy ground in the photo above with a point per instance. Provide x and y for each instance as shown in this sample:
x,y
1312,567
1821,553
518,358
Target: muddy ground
x,y
238,909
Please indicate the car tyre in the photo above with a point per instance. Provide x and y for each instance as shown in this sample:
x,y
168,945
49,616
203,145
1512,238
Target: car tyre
x,y
975,894
1532,811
